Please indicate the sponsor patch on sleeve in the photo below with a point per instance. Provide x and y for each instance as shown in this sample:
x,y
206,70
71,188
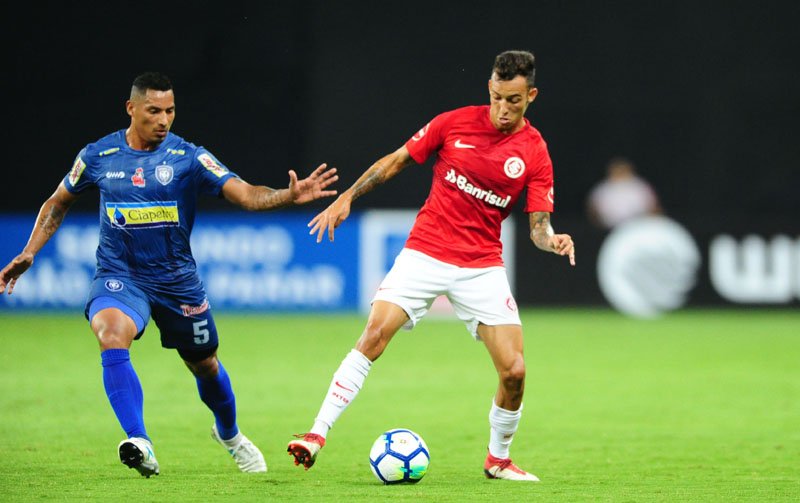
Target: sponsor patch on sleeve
x,y
421,133
76,171
210,164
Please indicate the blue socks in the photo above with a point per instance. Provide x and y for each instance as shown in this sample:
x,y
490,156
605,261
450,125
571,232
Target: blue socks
x,y
125,395
217,394
124,391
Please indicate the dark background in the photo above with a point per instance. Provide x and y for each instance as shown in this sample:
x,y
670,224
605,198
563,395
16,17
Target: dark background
x,y
702,95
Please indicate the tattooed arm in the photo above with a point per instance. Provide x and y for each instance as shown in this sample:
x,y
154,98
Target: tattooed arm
x,y
260,198
47,223
546,239
381,171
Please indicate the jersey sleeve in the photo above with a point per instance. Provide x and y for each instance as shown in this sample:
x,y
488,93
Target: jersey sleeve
x,y
429,139
78,179
211,173
540,184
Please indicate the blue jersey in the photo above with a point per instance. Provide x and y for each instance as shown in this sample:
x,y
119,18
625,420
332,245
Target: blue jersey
x,y
148,201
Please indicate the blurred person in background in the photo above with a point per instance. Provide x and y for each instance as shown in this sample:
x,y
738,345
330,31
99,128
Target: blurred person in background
x,y
149,180
487,157
620,196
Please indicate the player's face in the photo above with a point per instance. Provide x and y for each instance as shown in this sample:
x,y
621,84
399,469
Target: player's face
x,y
509,99
152,116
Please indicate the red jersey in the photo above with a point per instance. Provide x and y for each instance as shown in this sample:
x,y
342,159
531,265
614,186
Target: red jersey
x,y
478,176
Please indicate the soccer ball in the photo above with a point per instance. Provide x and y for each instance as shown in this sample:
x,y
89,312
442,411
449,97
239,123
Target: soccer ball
x,y
399,455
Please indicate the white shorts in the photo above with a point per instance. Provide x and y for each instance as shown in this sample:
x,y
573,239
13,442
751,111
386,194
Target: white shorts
x,y
478,295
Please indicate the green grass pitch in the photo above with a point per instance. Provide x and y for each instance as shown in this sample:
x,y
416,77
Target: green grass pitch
x,y
696,406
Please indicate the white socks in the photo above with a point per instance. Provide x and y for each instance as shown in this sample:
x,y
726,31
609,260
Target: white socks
x,y
503,426
346,382
234,442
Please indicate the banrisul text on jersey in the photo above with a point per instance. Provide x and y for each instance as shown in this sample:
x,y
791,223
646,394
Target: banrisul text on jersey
x,y
490,197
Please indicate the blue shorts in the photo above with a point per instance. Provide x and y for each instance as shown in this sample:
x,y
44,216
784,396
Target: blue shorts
x,y
182,313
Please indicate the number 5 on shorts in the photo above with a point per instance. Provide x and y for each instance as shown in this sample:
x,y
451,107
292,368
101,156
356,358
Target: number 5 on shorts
x,y
201,333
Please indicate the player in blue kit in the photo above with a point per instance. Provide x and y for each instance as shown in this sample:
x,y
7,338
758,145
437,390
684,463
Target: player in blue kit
x,y
149,180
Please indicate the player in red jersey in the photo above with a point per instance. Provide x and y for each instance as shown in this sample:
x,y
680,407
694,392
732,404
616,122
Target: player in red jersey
x,y
487,156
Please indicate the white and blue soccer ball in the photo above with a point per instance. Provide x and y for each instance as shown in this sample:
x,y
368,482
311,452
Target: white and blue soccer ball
x,y
399,455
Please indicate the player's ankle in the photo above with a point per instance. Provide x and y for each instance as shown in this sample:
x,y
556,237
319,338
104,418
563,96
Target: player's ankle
x,y
320,428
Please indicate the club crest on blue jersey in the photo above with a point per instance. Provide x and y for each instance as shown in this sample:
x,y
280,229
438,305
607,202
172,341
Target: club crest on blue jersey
x,y
164,174
138,178
114,285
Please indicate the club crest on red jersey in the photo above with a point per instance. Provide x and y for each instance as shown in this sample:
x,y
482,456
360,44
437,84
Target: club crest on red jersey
x,y
138,178
514,167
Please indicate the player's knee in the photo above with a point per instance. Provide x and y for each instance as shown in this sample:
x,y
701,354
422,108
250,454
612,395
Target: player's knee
x,y
374,339
206,368
111,340
513,376
112,335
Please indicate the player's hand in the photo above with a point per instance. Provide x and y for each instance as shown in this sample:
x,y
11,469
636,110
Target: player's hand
x,y
14,269
313,187
330,218
562,244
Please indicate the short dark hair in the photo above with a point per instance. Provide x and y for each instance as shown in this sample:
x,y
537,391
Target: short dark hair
x,y
509,64
150,80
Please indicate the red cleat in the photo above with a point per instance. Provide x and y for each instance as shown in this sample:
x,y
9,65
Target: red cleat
x,y
306,449
496,468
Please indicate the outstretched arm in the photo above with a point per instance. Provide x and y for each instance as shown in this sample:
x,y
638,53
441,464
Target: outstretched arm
x,y
47,223
381,171
546,239
260,198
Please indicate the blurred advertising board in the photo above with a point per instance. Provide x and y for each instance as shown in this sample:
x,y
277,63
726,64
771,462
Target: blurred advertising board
x,y
247,261
269,263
